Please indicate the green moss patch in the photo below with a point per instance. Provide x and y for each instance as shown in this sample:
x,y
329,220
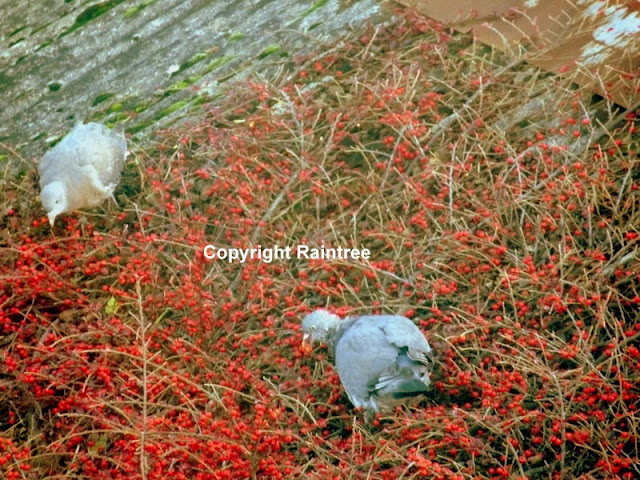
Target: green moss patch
x,y
133,11
314,7
170,109
102,98
198,57
270,50
91,13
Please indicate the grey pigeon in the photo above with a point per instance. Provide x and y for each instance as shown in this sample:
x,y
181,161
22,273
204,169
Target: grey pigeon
x,y
82,170
381,359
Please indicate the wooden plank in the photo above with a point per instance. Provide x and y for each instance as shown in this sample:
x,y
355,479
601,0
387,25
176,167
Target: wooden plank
x,y
597,42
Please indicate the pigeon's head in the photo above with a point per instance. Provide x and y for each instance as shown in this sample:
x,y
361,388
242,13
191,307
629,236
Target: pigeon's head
x,y
54,200
318,325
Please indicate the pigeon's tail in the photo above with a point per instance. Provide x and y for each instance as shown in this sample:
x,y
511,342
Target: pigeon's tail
x,y
117,130
409,388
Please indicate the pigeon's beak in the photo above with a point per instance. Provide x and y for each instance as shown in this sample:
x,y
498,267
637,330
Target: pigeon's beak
x,y
306,343
52,218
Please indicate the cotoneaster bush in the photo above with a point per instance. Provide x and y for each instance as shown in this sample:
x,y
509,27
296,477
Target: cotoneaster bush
x,y
506,234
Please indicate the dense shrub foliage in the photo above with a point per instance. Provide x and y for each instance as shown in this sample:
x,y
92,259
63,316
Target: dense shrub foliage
x,y
502,214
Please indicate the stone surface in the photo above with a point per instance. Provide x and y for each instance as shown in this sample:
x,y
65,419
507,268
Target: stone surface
x,y
138,61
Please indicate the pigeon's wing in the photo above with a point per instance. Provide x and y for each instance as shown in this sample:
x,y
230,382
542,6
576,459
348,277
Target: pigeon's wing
x,y
409,373
402,332
405,377
101,152
363,353
47,167
61,162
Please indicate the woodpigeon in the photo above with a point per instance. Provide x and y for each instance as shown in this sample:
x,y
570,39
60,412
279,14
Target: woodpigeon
x,y
82,170
381,359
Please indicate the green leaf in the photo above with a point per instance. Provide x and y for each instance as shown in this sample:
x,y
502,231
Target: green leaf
x,y
112,306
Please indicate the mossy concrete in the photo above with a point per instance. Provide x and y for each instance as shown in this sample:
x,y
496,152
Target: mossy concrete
x,y
138,61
